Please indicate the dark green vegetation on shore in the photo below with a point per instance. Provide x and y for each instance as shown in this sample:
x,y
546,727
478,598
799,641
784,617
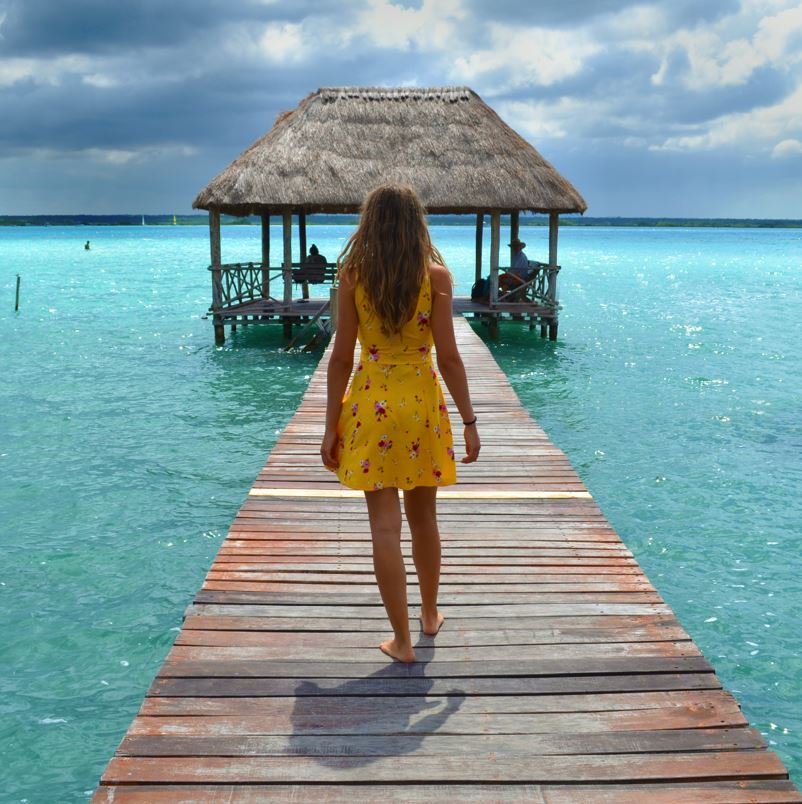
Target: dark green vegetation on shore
x,y
200,219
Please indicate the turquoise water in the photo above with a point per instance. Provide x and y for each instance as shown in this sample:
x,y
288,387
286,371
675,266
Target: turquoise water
x,y
128,441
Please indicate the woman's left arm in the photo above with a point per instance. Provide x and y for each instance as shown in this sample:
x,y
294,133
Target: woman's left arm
x,y
341,363
449,361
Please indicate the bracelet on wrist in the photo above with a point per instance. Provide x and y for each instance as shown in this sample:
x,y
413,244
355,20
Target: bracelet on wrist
x,y
471,422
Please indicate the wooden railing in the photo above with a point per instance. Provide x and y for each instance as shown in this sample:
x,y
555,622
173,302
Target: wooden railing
x,y
541,287
236,283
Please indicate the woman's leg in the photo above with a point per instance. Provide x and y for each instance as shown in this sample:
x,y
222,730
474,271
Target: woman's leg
x,y
384,513
420,506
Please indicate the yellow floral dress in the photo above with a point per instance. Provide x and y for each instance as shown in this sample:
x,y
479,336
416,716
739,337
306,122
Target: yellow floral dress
x,y
394,429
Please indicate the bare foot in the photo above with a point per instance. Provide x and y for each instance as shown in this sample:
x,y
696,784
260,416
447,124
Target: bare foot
x,y
391,648
431,625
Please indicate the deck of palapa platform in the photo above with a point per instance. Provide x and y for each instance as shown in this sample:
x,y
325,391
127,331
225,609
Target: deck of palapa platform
x,y
299,311
560,674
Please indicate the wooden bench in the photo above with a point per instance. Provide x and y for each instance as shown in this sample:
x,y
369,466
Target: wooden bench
x,y
313,274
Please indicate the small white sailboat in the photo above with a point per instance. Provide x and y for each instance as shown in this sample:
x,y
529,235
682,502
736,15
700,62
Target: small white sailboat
x,y
143,220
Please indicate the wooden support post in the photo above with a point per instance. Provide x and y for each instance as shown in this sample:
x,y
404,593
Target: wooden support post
x,y
514,228
303,255
554,224
265,256
287,271
480,225
495,246
287,264
551,291
16,298
302,235
217,276
214,237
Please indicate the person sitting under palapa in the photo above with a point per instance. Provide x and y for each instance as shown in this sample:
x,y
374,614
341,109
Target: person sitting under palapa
x,y
313,269
519,272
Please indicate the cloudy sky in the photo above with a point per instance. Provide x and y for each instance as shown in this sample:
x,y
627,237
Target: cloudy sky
x,y
663,108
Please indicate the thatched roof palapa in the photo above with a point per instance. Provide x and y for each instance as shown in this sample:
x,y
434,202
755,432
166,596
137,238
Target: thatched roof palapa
x,y
339,143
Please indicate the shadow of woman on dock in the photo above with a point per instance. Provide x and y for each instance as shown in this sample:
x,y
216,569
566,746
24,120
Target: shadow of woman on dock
x,y
388,713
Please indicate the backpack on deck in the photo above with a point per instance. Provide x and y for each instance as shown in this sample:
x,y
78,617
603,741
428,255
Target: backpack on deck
x,y
481,290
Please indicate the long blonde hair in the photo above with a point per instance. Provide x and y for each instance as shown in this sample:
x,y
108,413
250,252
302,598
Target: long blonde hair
x,y
390,253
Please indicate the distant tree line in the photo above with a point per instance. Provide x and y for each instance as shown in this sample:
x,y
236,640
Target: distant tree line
x,y
201,219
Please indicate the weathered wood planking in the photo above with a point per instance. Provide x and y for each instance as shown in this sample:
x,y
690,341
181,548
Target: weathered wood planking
x,y
560,674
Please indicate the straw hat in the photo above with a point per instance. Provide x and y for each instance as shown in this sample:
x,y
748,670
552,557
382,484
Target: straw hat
x,y
517,243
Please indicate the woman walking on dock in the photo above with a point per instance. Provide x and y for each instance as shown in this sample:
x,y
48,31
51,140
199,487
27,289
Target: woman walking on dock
x,y
391,429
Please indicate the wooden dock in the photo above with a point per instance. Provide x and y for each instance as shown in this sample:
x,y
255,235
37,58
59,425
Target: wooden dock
x,y
560,674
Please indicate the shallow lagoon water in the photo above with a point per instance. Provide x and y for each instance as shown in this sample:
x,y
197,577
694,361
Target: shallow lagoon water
x,y
128,441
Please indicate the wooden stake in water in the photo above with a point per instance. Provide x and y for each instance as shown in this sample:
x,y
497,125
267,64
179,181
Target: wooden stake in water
x,y
16,300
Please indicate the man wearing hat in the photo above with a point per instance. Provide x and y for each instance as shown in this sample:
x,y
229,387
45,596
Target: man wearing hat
x,y
519,267
520,262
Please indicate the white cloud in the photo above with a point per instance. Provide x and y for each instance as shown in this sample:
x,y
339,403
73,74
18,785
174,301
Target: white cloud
x,y
786,148
780,36
14,70
389,25
757,129
282,43
633,26
528,56
41,71
114,156
728,51
147,153
110,156
101,80
540,121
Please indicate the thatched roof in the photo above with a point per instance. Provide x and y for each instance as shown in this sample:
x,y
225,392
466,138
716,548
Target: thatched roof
x,y
339,143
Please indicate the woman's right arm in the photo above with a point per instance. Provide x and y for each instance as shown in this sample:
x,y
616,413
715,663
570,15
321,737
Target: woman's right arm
x,y
449,361
341,363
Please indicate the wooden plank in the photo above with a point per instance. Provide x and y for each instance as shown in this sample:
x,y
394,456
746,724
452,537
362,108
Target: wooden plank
x,y
489,631
560,674
370,744
293,492
496,611
351,596
306,719
714,792
268,545
360,667
700,766
229,634
335,706
466,653
379,685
